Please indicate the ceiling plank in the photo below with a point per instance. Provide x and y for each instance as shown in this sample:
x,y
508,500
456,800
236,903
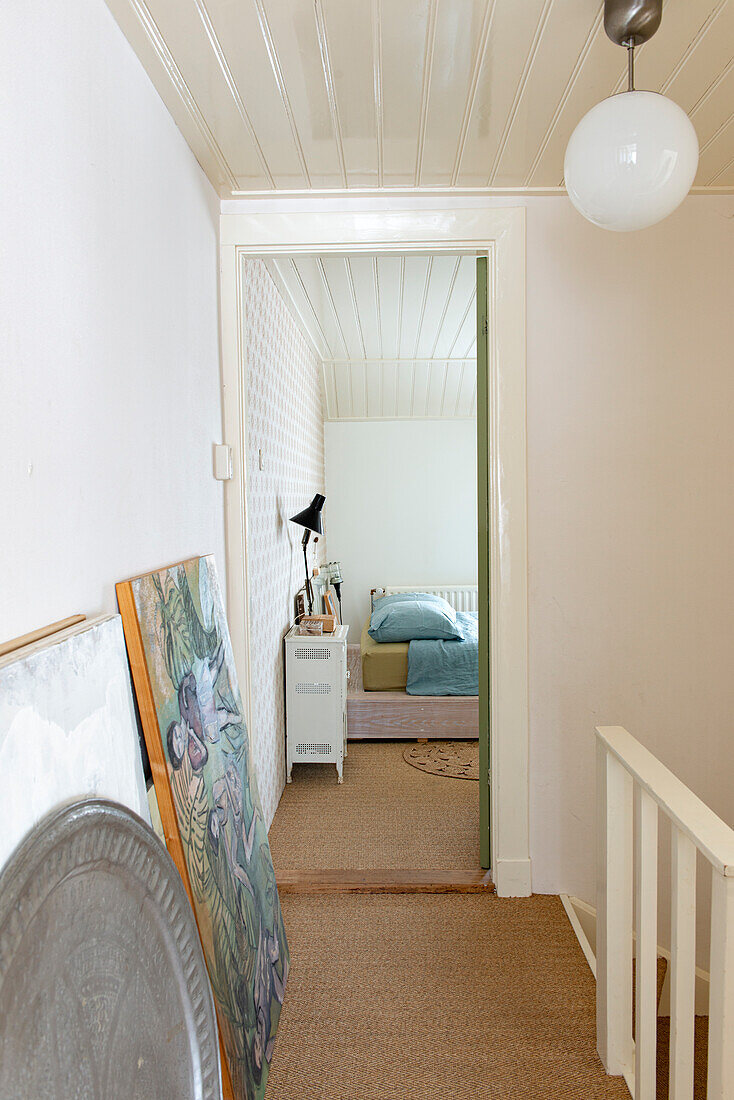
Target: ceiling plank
x,y
520,90
463,292
377,86
344,389
364,290
419,390
355,306
428,56
298,305
390,389
478,62
181,35
328,72
513,30
295,46
404,31
301,294
358,375
389,275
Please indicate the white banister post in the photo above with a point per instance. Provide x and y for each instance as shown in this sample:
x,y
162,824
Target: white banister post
x,y
614,915
682,965
721,994
646,895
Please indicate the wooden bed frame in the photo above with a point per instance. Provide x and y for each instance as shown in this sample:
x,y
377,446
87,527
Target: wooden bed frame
x,y
395,716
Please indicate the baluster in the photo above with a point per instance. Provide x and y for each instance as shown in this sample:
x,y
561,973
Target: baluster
x,y
614,915
646,894
682,966
721,994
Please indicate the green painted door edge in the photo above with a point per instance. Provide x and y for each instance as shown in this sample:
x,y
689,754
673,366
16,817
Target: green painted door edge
x,y
483,556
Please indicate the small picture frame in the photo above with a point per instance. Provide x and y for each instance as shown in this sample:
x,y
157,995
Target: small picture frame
x,y
331,605
300,605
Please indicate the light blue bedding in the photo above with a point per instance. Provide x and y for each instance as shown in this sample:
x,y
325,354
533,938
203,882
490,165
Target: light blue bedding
x,y
446,668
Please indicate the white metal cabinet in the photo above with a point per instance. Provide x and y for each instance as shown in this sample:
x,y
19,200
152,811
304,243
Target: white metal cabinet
x,y
316,699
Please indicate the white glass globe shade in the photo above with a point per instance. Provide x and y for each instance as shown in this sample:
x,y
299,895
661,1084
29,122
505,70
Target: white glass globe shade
x,y
631,161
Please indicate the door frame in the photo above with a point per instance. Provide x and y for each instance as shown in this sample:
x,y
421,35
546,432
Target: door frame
x,y
262,228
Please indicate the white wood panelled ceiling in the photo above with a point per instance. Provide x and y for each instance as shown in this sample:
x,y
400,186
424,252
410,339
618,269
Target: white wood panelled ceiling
x,y
396,334
277,95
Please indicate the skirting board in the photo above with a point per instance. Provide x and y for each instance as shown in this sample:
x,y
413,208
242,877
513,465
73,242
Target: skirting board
x,y
393,716
583,921
513,878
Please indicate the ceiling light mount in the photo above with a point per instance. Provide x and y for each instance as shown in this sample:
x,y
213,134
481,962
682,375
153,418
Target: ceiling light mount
x,y
631,22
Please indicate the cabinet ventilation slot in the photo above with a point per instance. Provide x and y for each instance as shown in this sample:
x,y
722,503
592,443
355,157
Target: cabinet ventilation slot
x,y
313,750
311,653
313,689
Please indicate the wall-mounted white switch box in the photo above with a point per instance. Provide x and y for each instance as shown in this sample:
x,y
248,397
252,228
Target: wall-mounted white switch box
x,y
222,462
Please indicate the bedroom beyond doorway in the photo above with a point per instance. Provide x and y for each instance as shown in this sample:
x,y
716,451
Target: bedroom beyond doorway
x,y
376,356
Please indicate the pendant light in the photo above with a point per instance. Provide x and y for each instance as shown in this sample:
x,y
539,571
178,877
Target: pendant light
x,y
632,159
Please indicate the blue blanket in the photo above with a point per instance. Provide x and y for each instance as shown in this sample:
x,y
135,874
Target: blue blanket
x,y
446,668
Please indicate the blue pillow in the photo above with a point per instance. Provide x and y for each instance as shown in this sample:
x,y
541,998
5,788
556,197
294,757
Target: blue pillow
x,y
408,616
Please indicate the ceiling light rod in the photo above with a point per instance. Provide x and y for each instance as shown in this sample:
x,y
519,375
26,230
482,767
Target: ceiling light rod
x,y
629,23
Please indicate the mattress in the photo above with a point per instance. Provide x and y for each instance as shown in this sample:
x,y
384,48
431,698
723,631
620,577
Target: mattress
x,y
384,665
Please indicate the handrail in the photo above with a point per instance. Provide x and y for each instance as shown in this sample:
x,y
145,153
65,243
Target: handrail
x,y
633,788
712,836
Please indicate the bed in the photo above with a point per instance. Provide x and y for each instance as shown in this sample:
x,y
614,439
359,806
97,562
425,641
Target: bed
x,y
423,667
384,665
382,703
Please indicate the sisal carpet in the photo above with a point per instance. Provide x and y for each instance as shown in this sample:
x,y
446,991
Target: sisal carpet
x,y
443,997
385,814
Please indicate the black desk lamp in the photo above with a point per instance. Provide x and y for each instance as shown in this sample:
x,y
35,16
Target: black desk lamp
x,y
310,518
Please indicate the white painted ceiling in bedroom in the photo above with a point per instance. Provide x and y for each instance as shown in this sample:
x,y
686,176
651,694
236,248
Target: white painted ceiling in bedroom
x,y
396,334
277,95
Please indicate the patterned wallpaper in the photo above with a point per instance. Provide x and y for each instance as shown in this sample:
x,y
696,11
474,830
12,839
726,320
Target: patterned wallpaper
x,y
285,422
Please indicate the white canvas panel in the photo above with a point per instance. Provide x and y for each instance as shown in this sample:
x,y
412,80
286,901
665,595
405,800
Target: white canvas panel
x,y
67,727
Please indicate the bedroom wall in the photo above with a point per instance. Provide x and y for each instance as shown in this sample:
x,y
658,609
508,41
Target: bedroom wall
x,y
285,425
401,506
109,338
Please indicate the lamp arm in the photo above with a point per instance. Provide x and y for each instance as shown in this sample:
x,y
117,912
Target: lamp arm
x,y
309,589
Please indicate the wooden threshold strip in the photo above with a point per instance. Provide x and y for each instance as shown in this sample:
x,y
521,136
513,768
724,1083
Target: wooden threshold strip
x,y
384,881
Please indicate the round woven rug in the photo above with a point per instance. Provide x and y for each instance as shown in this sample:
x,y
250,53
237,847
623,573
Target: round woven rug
x,y
454,759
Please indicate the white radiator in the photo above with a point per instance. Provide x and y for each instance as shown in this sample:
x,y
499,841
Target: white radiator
x,y
462,597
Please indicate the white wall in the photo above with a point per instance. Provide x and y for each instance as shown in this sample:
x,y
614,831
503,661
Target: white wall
x,y
109,361
401,506
631,511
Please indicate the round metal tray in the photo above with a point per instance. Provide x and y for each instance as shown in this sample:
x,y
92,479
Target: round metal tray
x,y
104,993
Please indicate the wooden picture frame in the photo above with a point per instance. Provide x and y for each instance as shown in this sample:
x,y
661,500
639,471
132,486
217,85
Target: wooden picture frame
x,y
191,711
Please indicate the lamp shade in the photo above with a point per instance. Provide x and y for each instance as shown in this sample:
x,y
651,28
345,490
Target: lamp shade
x,y
311,517
631,161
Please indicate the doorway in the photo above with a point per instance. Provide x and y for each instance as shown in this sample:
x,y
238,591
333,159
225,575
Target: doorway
x,y
502,234
392,340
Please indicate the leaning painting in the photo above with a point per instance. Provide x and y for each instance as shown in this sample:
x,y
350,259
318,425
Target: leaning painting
x,y
185,680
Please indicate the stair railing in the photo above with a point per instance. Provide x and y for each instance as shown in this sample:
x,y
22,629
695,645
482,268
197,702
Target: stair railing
x,y
633,788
